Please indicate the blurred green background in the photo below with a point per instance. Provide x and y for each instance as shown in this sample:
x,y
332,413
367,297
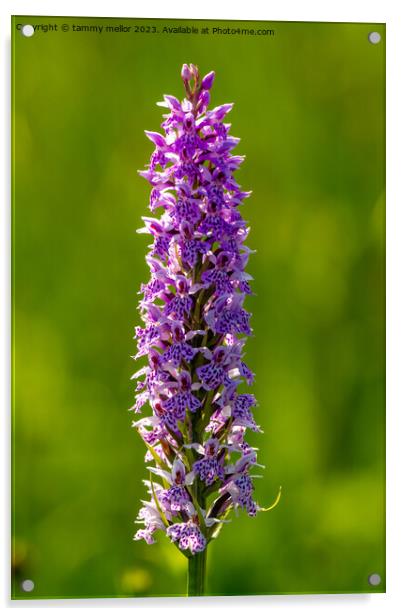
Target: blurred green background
x,y
309,108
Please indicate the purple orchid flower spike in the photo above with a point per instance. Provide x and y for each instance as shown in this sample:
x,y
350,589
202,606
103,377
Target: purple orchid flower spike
x,y
195,328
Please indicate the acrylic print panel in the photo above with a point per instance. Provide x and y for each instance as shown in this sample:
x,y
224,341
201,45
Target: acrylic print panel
x,y
286,283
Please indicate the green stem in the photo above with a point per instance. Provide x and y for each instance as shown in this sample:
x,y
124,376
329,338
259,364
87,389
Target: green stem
x,y
196,574
197,564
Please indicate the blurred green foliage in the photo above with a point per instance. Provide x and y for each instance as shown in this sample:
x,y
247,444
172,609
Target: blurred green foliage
x,y
309,107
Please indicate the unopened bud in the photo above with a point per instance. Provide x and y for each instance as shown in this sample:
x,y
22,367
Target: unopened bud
x,y
208,81
185,72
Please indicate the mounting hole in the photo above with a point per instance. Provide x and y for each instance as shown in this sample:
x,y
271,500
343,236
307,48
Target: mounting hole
x,y
27,585
374,579
374,37
27,30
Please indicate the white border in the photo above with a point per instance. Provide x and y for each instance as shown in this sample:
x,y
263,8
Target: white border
x,y
285,10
